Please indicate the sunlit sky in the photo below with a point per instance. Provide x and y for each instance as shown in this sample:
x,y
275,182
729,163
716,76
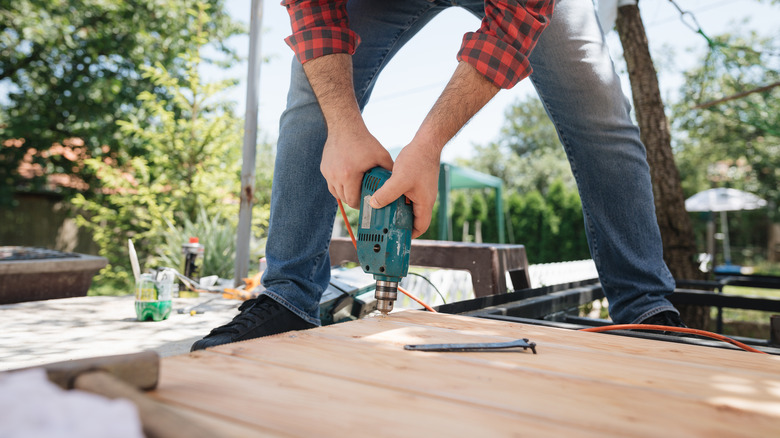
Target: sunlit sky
x,y
408,87
413,80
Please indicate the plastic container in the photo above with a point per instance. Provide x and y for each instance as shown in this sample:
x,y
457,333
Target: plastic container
x,y
192,251
153,296
193,258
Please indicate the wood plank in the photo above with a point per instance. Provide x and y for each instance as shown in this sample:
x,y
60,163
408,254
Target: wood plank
x,y
302,403
558,377
224,426
577,340
355,377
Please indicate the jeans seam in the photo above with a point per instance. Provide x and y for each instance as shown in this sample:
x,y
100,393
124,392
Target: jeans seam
x,y
279,299
653,312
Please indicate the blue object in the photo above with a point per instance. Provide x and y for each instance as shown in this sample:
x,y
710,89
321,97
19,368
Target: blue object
x,y
384,235
728,269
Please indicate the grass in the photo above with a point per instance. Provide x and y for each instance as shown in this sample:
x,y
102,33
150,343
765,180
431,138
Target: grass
x,y
749,323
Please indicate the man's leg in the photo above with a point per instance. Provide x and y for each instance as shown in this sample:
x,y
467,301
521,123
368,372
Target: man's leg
x,y
576,80
577,83
302,208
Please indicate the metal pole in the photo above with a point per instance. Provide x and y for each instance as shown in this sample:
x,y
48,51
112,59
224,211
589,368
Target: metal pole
x,y
250,144
724,228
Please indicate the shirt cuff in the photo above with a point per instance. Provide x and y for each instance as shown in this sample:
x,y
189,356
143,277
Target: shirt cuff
x,y
501,63
315,42
319,27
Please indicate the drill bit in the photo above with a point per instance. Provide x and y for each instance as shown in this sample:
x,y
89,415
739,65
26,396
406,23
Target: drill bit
x,y
386,294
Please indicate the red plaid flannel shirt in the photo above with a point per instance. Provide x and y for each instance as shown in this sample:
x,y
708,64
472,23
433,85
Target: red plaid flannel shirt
x,y
499,49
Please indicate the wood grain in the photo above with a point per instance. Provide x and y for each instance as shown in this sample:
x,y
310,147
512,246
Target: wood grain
x,y
355,378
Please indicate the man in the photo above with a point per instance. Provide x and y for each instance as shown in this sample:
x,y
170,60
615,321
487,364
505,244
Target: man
x,y
324,147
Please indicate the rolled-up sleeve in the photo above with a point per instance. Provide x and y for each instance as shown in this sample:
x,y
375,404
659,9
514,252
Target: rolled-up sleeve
x,y
319,28
509,32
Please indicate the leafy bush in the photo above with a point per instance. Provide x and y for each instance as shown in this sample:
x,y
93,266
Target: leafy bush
x,y
184,173
218,237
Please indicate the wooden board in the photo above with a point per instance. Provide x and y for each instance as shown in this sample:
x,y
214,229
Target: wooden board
x,y
355,379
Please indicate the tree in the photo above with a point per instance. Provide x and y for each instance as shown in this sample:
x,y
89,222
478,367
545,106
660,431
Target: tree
x,y
676,230
72,68
527,155
185,166
679,244
729,119
531,222
529,158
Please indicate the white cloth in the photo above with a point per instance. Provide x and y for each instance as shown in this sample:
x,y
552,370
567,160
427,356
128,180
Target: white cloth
x,y
33,407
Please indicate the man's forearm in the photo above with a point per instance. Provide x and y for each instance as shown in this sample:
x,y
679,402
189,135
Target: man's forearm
x,y
466,93
350,150
331,79
416,169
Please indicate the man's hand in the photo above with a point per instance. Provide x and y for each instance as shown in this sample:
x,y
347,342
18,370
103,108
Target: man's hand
x,y
416,175
416,170
348,155
350,149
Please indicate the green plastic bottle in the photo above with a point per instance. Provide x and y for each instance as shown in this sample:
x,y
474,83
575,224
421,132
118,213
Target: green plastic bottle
x,y
153,296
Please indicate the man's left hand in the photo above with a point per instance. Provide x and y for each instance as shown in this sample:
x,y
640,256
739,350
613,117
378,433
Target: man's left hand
x,y
416,175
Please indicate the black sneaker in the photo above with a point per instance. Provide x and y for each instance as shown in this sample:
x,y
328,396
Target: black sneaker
x,y
667,318
261,316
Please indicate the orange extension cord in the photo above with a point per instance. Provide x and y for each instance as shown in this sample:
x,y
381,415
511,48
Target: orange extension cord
x,y
354,243
673,329
591,329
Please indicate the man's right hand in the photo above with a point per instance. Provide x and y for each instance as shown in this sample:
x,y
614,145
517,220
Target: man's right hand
x,y
350,149
349,153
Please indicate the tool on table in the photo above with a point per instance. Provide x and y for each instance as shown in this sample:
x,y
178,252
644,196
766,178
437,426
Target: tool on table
x,y
384,239
479,346
123,376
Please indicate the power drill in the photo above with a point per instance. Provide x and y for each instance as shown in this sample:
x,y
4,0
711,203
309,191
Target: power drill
x,y
384,239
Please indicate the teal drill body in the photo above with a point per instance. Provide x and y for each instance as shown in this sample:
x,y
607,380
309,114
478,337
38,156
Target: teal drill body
x,y
384,239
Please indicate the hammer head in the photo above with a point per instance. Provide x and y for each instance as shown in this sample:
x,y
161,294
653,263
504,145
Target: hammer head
x,y
141,370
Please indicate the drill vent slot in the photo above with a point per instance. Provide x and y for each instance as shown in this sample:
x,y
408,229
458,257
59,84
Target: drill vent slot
x,y
371,237
372,183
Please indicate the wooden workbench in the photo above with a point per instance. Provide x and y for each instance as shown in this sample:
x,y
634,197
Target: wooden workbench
x,y
355,379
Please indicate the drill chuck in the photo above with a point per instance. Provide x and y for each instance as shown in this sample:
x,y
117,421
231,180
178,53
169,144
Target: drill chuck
x,y
386,294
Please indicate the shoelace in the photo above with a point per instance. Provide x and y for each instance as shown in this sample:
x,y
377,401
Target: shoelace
x,y
253,312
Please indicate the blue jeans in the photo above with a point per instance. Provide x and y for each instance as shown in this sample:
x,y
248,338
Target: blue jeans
x,y
576,81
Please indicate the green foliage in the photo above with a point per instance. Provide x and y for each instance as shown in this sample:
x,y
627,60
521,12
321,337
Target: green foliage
x,y
490,222
734,143
73,69
528,155
432,233
543,206
478,209
216,233
460,213
182,173
551,227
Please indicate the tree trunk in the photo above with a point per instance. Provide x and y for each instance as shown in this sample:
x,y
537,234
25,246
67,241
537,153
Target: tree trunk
x,y
674,222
